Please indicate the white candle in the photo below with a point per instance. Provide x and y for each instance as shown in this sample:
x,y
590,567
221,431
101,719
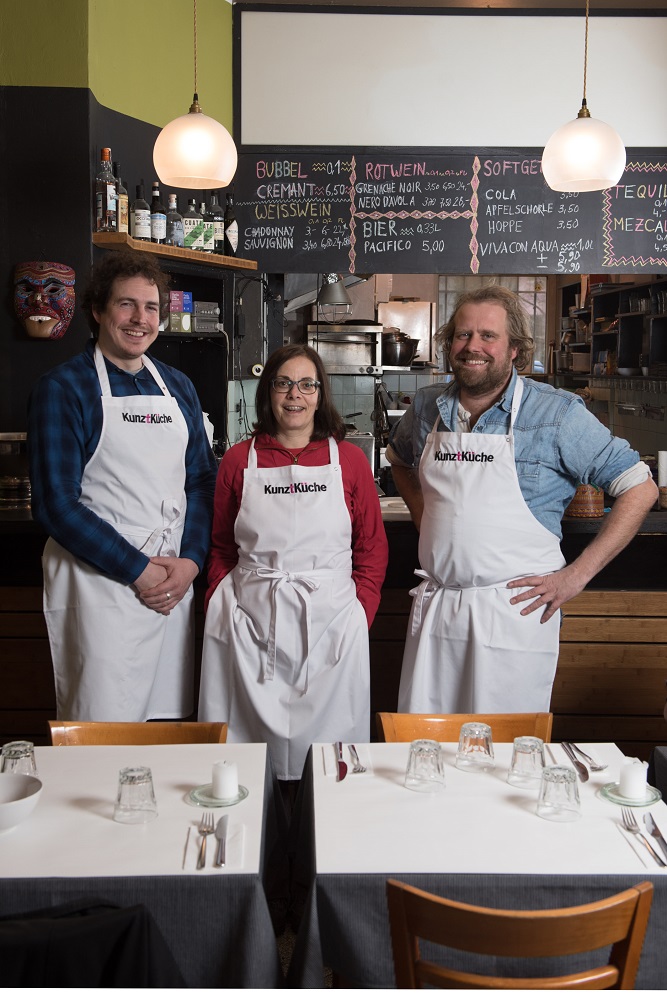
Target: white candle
x,y
633,779
225,780
662,468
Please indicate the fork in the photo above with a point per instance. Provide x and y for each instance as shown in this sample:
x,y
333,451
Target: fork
x,y
205,828
631,825
357,766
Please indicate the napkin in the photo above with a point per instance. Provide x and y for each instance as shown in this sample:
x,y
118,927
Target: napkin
x,y
234,851
329,758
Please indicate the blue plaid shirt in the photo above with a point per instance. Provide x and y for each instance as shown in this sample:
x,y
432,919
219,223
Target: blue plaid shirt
x,y
64,427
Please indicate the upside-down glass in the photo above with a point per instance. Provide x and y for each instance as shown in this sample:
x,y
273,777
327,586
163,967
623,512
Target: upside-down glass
x,y
425,771
559,795
18,757
475,752
135,802
527,762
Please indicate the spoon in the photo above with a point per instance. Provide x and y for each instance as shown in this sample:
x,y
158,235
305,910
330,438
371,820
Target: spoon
x,y
593,764
580,768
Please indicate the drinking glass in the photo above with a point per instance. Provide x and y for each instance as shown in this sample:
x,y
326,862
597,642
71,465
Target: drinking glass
x,y
559,795
19,758
425,771
527,762
135,802
475,752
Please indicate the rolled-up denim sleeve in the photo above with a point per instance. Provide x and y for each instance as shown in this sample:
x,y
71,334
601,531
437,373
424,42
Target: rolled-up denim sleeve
x,y
400,450
589,451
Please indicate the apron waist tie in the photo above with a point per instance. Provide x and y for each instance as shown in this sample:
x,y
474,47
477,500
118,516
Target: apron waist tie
x,y
303,586
174,516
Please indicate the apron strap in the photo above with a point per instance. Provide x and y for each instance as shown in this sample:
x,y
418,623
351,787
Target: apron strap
x,y
303,586
174,516
423,594
103,374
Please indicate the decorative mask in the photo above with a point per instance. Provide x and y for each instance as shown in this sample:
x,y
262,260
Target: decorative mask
x,y
44,298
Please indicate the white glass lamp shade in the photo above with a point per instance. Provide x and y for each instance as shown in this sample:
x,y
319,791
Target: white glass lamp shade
x,y
584,155
195,151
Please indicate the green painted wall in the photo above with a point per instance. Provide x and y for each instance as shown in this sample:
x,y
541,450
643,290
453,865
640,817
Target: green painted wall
x,y
135,55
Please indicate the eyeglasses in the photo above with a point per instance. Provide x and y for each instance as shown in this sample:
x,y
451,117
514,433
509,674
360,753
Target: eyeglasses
x,y
305,385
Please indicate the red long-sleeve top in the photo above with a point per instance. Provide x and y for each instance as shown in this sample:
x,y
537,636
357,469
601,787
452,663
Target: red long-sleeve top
x,y
369,541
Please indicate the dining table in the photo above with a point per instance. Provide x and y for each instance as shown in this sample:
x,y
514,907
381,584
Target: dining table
x,y
216,920
478,840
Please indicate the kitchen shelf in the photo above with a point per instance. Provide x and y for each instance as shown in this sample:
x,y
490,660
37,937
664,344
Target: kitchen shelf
x,y
117,241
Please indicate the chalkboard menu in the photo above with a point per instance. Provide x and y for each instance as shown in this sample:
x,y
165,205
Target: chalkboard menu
x,y
445,212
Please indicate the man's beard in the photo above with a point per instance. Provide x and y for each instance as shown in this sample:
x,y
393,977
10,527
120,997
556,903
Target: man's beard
x,y
486,378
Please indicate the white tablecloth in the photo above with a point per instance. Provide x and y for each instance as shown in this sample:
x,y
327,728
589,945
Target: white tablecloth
x,y
72,832
478,823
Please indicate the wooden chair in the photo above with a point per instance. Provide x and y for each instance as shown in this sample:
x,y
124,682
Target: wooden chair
x,y
136,733
619,921
397,727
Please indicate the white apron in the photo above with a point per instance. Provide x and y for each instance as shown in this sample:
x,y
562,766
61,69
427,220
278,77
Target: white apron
x,y
468,649
285,658
114,659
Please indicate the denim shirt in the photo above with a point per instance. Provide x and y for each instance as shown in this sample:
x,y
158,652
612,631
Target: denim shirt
x,y
558,443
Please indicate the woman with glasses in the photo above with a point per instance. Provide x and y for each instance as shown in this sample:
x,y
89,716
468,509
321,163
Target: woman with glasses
x,y
298,557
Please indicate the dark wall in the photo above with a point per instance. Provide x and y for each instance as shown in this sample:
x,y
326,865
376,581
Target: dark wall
x,y
51,151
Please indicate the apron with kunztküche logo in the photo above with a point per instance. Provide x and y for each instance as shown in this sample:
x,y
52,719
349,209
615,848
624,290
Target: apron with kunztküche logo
x,y
114,659
468,649
285,658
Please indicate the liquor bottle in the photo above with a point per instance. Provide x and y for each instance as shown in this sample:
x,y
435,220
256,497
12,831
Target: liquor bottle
x,y
174,223
105,195
158,216
140,216
122,205
208,234
193,227
217,211
231,228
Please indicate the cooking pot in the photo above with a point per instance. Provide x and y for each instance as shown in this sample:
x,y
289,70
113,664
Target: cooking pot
x,y
398,352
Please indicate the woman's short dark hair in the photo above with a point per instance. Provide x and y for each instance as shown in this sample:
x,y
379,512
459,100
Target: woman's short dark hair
x,y
328,421
517,321
122,264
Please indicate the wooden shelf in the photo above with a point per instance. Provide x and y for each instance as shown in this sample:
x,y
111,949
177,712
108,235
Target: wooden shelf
x,y
116,241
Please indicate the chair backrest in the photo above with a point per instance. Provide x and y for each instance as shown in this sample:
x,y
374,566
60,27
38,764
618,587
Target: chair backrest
x,y
397,727
136,733
618,921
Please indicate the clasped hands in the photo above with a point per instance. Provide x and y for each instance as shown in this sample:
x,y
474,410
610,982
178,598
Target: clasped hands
x,y
164,582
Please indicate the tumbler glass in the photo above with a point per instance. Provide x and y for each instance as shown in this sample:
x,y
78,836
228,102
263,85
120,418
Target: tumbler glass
x,y
527,762
425,771
135,802
559,795
475,752
19,758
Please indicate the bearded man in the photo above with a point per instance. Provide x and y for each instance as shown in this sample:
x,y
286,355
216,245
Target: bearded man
x,y
487,465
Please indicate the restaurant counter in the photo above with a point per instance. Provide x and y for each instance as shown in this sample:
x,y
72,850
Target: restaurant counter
x,y
610,683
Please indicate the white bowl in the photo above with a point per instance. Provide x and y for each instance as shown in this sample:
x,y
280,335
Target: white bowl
x,y
629,371
19,794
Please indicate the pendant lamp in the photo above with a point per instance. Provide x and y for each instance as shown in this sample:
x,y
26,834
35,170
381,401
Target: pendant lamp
x,y
195,151
585,154
333,301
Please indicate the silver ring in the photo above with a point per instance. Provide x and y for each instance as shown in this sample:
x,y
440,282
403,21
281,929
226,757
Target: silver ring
x,y
168,596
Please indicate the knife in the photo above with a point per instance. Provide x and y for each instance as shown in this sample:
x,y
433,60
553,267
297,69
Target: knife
x,y
580,768
652,828
340,763
221,837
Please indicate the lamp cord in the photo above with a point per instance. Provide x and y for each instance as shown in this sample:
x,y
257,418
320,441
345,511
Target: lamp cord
x,y
585,49
195,35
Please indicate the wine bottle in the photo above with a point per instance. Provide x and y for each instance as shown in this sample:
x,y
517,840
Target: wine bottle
x,y
231,228
174,223
217,211
140,216
208,235
193,227
122,205
158,216
105,195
